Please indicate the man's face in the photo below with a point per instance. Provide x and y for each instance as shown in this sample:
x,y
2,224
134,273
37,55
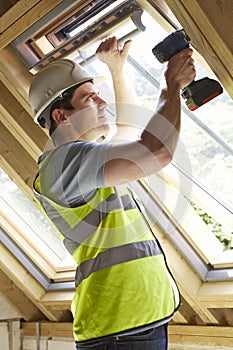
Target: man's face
x,y
88,115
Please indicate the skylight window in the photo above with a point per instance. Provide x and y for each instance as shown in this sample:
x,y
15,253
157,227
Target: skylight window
x,y
36,229
69,32
79,28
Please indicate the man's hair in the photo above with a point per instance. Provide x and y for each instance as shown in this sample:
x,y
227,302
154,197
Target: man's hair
x,y
64,103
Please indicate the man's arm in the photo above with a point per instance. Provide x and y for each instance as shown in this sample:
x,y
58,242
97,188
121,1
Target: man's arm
x,y
133,160
125,96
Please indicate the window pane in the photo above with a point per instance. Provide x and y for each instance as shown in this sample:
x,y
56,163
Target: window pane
x,y
31,215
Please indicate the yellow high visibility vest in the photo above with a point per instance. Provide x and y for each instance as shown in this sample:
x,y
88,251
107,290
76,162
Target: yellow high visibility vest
x,y
122,278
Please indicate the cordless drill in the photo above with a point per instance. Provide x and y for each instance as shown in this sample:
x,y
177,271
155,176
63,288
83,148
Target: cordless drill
x,y
198,92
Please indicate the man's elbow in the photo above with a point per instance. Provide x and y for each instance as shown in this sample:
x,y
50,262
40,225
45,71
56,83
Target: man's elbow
x,y
165,157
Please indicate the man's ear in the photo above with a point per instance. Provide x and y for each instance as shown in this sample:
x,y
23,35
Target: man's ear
x,y
58,115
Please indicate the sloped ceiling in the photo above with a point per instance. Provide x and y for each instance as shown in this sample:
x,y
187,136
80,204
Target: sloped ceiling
x,y
209,24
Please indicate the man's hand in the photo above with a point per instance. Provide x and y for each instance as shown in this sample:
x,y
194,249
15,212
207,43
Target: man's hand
x,y
180,70
110,53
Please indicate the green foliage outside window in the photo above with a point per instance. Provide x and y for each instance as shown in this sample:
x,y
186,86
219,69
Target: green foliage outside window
x,y
225,237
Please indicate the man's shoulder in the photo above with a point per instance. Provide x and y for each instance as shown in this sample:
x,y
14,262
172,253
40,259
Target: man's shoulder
x,y
62,149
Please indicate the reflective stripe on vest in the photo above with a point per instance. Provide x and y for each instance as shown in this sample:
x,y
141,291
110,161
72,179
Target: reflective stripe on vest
x,y
88,224
116,255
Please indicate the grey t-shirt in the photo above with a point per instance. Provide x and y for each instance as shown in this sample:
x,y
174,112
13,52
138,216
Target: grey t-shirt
x,y
71,174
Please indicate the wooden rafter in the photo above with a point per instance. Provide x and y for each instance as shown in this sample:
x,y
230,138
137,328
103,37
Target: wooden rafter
x,y
203,21
24,17
205,336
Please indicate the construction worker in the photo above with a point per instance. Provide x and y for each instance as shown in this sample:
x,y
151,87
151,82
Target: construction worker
x,y
125,293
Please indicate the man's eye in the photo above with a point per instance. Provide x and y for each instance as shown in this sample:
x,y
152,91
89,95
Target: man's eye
x,y
91,96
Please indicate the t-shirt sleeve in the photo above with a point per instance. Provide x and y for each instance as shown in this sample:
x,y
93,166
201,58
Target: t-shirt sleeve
x,y
74,172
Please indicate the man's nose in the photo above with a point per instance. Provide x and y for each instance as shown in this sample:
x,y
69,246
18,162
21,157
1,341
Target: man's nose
x,y
101,103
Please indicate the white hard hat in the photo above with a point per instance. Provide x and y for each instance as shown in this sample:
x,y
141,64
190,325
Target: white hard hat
x,y
51,81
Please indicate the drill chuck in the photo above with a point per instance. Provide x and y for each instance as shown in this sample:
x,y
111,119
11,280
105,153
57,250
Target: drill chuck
x,y
171,45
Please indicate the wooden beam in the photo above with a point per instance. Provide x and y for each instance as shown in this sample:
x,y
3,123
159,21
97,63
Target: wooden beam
x,y
15,12
6,5
26,20
25,282
188,313
19,133
60,300
20,124
224,315
16,162
21,140
202,21
216,295
48,329
180,335
30,287
201,335
218,16
25,307
180,318
15,76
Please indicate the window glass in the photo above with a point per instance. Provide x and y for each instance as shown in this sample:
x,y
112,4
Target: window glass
x,y
31,215
206,133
